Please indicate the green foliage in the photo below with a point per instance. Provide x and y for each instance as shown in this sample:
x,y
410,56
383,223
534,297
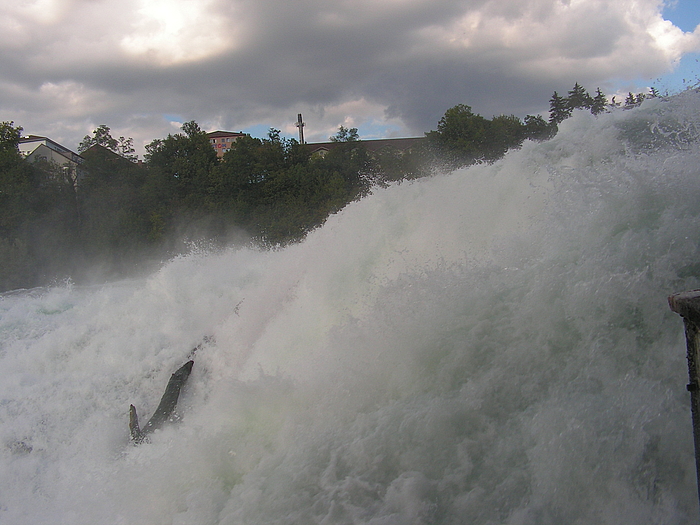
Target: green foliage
x,y
559,109
17,181
185,161
114,205
537,128
102,137
460,137
632,101
272,188
599,103
579,98
392,164
463,137
14,270
503,132
38,219
345,135
9,136
122,211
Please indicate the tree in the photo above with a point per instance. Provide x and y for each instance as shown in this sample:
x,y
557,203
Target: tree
x,y
502,133
17,210
186,160
274,190
537,128
125,148
9,136
349,160
559,109
460,136
38,216
579,98
599,103
393,164
632,101
345,135
463,137
17,181
115,207
102,137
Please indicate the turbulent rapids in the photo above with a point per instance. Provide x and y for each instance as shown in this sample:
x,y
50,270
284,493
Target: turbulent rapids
x,y
489,346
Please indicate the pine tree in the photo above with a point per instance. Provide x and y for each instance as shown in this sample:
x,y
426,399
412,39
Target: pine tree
x,y
579,98
599,102
559,109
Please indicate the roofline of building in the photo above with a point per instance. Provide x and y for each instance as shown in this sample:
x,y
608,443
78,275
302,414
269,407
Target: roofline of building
x,y
370,144
33,138
54,146
220,132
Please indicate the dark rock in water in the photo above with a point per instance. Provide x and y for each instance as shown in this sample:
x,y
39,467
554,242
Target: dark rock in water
x,y
166,407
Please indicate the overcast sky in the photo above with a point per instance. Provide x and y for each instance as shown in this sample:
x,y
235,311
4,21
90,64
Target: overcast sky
x,y
387,67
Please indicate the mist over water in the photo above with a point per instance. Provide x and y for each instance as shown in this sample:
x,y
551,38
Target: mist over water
x,y
488,346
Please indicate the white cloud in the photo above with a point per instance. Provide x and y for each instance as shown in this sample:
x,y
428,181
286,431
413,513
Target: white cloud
x,y
174,31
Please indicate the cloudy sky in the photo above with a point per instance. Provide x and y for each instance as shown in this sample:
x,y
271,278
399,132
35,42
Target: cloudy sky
x,y
387,67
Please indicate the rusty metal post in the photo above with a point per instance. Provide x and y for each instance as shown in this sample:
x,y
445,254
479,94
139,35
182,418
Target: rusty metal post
x,y
687,305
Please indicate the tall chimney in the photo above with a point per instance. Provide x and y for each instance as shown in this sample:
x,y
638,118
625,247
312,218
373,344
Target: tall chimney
x,y
300,124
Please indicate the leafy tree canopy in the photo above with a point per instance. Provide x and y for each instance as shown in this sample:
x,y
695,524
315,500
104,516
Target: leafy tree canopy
x,y
537,128
345,135
9,135
186,159
102,137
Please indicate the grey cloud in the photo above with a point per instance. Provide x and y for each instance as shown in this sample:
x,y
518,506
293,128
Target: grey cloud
x,y
412,58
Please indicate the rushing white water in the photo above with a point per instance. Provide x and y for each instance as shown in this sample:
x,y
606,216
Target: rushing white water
x,y
491,346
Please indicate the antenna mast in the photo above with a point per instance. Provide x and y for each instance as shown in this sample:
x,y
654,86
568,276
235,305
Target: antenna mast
x,y
300,124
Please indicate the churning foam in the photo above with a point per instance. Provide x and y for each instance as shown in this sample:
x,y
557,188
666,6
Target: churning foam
x,y
491,345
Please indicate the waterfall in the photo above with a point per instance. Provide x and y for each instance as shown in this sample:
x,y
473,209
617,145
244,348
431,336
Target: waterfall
x,y
488,346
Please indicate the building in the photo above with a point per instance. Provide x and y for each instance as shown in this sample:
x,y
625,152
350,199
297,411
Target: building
x,y
34,148
221,140
401,145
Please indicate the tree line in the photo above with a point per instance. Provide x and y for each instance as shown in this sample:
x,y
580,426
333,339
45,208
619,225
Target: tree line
x,y
116,214
561,108
464,137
